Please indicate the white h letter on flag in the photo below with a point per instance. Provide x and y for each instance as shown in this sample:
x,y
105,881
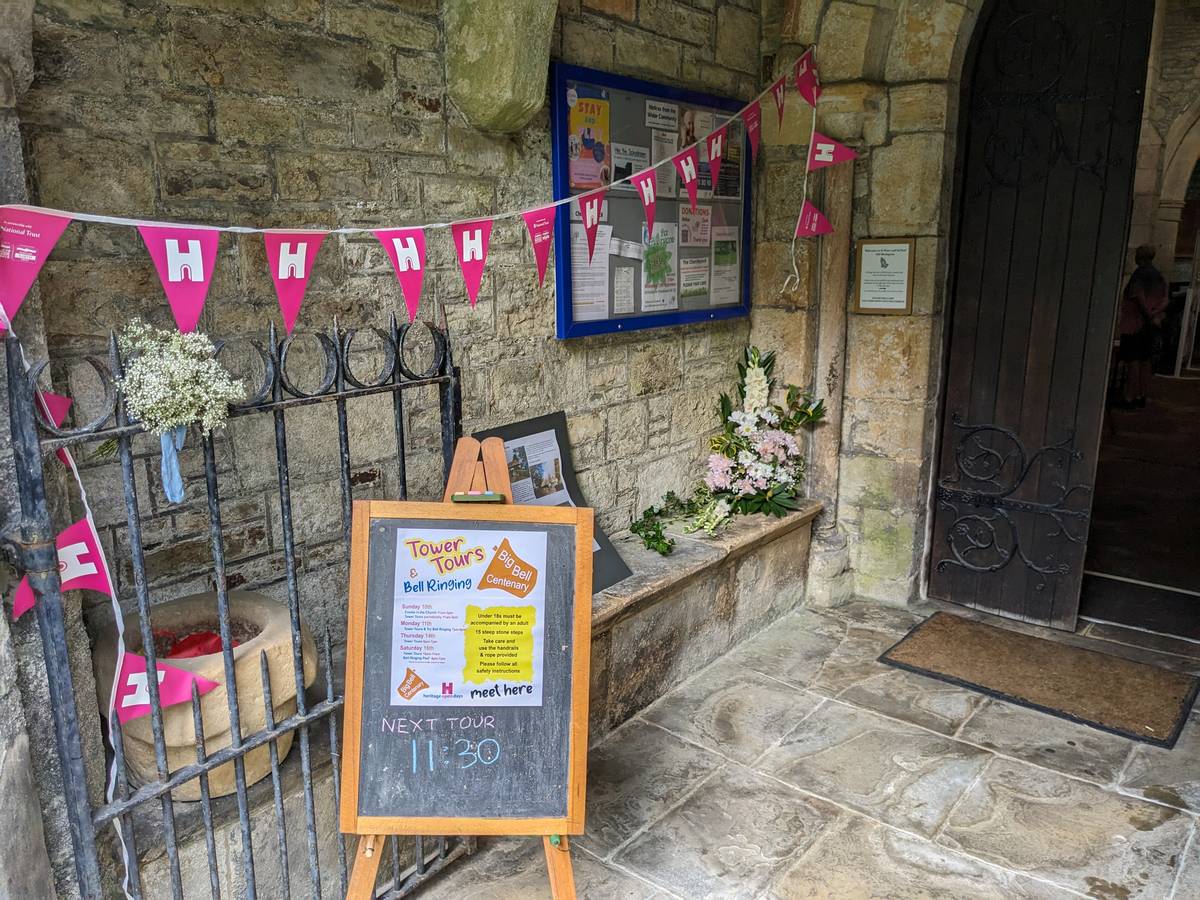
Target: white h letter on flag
x,y
591,212
72,564
824,153
406,254
647,189
180,264
715,147
472,245
291,260
141,691
688,170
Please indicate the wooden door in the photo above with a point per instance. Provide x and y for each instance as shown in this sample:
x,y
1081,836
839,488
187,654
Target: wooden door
x,y
1052,112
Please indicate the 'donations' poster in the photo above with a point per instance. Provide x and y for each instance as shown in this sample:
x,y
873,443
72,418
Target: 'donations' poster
x,y
469,619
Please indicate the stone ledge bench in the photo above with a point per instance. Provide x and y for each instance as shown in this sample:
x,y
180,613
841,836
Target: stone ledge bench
x,y
677,613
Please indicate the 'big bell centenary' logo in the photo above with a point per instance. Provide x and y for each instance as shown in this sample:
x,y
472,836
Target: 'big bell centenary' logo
x,y
508,572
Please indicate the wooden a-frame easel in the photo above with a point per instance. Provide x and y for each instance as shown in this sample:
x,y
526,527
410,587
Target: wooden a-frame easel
x,y
477,471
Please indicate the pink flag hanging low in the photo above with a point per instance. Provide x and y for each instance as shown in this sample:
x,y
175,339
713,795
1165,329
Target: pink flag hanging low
x,y
55,408
714,145
471,245
405,247
26,238
807,81
174,686
290,258
540,223
79,566
752,117
687,164
825,151
184,259
811,222
779,92
644,183
589,209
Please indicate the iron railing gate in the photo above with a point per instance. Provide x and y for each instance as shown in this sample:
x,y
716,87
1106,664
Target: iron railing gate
x,y
33,438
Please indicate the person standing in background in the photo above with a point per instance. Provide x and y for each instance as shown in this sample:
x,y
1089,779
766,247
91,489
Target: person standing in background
x,y
1143,307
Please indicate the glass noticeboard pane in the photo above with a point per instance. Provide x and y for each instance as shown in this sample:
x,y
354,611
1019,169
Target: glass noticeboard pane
x,y
693,265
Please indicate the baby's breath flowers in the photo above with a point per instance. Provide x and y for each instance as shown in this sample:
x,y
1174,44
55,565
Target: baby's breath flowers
x,y
173,379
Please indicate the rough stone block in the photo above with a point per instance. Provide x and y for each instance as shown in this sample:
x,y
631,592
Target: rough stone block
x,y
888,428
256,121
847,29
643,54
921,106
887,545
770,581
69,178
926,40
680,21
888,357
584,44
627,427
789,334
880,483
622,9
382,26
906,181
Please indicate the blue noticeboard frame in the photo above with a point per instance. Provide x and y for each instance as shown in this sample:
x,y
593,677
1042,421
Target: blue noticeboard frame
x,y
567,327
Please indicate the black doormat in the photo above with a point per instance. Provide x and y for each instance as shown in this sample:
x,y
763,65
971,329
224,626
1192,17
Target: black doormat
x,y
1140,605
1135,700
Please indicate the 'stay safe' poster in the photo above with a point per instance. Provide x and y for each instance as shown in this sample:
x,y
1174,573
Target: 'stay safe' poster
x,y
469,618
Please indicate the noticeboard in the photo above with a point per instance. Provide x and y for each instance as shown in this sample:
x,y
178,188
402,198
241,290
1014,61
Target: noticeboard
x,y
467,653
695,267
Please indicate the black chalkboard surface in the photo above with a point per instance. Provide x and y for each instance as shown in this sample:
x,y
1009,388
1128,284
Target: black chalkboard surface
x,y
466,670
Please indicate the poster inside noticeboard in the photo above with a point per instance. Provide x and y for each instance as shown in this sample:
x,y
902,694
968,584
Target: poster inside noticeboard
x,y
695,266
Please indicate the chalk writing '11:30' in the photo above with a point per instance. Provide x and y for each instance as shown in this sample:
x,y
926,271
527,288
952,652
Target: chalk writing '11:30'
x,y
468,753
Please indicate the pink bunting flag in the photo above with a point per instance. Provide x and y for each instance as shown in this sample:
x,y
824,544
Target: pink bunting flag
x,y
825,151
752,117
807,81
174,686
714,145
290,258
184,259
405,247
687,164
79,566
778,91
644,183
26,238
540,223
55,407
811,222
471,245
589,210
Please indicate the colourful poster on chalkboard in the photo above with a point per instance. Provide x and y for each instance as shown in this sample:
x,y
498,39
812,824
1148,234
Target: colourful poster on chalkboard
x,y
588,147
469,618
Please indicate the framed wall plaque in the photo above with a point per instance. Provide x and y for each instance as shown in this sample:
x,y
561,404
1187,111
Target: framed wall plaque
x,y
884,276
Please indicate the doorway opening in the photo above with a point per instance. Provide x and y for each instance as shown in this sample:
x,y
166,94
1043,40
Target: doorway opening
x,y
1142,568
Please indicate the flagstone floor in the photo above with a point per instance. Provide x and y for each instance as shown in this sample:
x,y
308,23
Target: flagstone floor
x,y
798,766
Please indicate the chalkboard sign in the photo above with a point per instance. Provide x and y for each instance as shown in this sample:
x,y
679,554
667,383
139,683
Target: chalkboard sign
x,y
467,657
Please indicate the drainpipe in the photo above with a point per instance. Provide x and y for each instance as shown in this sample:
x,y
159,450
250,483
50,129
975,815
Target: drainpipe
x,y
829,577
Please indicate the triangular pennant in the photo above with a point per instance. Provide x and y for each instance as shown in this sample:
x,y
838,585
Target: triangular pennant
x,y
290,258
779,92
714,144
644,183
590,206
808,83
752,116
174,686
405,247
687,164
540,223
471,245
80,566
811,222
55,407
184,259
26,238
825,151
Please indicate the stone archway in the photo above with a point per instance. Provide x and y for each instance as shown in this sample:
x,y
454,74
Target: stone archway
x,y
1181,153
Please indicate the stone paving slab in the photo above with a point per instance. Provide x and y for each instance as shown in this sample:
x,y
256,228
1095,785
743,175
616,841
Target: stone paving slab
x,y
901,775
729,838
1168,776
861,858
1067,831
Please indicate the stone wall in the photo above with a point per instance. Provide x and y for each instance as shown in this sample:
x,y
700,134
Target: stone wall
x,y
336,112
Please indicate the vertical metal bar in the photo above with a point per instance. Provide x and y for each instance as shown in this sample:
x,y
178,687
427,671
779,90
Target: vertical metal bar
x,y
210,843
394,847
293,592
235,716
448,397
121,792
276,786
343,434
142,590
40,561
443,847
398,411
335,760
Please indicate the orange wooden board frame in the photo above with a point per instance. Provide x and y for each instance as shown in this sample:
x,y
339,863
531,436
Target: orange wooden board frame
x,y
466,468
